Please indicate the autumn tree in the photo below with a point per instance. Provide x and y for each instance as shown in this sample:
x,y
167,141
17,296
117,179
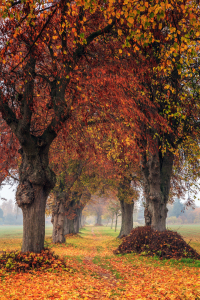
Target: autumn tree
x,y
36,96
62,199
156,74
170,50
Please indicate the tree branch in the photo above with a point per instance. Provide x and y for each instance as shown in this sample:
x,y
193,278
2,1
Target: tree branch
x,y
8,115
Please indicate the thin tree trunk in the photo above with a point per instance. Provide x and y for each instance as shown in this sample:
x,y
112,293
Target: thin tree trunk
x,y
112,221
116,222
80,219
127,218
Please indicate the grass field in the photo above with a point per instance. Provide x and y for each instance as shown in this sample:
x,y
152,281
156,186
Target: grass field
x,y
11,236
96,273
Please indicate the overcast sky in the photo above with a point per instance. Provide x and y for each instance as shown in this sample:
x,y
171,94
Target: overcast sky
x,y
7,192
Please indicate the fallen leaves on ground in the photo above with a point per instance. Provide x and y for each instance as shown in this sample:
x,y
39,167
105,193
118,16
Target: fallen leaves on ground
x,y
99,274
16,261
166,244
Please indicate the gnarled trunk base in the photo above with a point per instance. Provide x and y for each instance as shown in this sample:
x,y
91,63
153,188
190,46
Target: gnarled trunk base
x,y
36,181
157,171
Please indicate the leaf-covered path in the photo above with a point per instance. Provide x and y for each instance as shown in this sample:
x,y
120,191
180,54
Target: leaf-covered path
x,y
96,273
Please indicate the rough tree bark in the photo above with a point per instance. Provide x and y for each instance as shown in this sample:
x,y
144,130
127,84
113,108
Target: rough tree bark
x,y
127,218
36,181
58,219
127,206
72,225
69,226
61,224
157,171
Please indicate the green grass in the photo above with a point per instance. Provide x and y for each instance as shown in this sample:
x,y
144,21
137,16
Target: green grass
x,y
11,231
104,230
16,231
11,236
186,230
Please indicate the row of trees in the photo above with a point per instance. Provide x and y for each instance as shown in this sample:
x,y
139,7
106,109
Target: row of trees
x,y
112,83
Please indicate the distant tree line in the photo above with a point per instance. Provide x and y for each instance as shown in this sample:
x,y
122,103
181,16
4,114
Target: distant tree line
x,y
10,214
179,214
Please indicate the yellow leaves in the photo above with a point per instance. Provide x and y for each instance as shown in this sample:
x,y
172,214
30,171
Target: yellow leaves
x,y
119,32
130,20
167,86
91,281
109,21
117,15
120,51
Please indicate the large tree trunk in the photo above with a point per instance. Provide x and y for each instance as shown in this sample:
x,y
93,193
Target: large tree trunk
x,y
77,220
76,223
157,171
127,218
36,181
72,225
68,226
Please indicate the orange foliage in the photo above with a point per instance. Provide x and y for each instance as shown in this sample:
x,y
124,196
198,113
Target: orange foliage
x,y
108,277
